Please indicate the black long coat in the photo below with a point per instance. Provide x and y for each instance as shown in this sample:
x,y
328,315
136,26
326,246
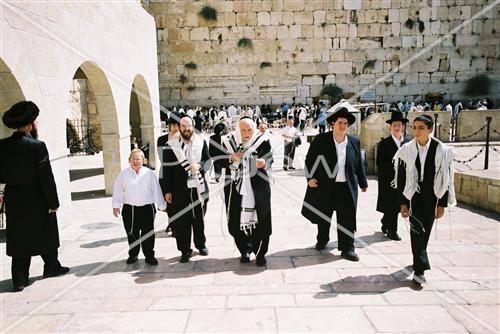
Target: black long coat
x,y
30,191
388,199
320,163
174,180
262,192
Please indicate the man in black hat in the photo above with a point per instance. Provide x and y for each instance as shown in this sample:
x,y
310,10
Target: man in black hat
x,y
389,197
162,145
216,150
334,170
31,200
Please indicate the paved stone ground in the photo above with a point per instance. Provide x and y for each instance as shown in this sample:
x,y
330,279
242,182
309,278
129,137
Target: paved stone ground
x,y
300,290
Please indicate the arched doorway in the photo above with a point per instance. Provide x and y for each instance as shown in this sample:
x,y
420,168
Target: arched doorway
x,y
141,116
92,120
10,93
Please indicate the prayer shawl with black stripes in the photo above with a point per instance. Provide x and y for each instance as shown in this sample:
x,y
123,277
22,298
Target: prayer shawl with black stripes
x,y
188,154
240,174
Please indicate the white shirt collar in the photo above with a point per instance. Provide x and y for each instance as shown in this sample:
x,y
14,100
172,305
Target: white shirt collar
x,y
426,146
343,143
398,141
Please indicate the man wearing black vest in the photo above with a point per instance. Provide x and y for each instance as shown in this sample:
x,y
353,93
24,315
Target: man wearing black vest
x,y
388,201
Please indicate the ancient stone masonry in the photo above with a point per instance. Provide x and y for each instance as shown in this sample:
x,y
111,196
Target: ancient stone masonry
x,y
310,43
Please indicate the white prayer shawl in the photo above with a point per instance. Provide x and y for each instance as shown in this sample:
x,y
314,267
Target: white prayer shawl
x,y
180,149
443,178
240,174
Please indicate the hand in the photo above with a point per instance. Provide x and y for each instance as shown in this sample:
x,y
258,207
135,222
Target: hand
x,y
1,198
53,210
364,189
236,157
260,163
116,212
194,167
439,212
405,212
313,183
168,198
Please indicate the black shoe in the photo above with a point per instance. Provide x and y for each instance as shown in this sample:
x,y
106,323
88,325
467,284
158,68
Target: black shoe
x,y
245,258
261,261
384,230
419,278
321,245
291,168
185,257
203,251
59,272
17,287
132,259
393,236
151,260
285,168
350,255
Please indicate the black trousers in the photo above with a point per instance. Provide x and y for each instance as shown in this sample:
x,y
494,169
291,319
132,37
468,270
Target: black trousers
x,y
421,223
289,154
21,265
322,128
139,222
191,222
302,125
251,243
346,219
390,221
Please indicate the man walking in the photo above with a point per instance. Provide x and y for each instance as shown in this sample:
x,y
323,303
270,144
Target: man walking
x,y
334,170
31,200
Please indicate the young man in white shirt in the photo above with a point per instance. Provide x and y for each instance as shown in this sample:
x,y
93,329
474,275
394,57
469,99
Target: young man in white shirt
x,y
135,191
289,134
334,171
388,200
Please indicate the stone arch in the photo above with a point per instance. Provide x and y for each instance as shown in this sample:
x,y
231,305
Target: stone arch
x,y
103,108
10,93
141,115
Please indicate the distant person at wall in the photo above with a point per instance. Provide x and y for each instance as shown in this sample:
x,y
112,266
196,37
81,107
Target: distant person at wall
x,y
31,200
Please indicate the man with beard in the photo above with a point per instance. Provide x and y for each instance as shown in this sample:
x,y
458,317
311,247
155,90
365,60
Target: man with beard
x,y
185,187
334,171
388,199
248,192
31,200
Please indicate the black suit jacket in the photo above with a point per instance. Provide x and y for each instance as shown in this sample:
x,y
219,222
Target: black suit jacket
x,y
388,198
320,164
30,191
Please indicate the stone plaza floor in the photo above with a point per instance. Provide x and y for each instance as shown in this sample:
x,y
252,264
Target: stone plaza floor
x,y
300,289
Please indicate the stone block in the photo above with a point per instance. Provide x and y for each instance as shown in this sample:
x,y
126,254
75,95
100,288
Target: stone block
x,y
307,31
318,31
342,30
303,18
312,80
241,19
293,5
319,17
287,18
277,5
340,67
352,4
263,19
330,79
229,19
272,32
371,16
252,19
303,91
256,5
267,5
365,43
282,32
294,31
276,18
337,55
459,64
330,30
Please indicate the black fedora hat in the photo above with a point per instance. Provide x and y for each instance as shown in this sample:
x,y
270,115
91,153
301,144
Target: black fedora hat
x,y
397,116
20,115
341,113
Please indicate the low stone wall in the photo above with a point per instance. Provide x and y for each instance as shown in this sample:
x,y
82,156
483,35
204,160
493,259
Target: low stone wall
x,y
470,121
478,191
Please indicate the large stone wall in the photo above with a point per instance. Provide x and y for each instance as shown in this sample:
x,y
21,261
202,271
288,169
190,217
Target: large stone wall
x,y
309,43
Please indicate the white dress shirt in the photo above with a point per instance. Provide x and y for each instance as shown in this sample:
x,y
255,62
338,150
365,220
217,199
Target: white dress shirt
x,y
422,154
341,156
398,142
289,133
137,189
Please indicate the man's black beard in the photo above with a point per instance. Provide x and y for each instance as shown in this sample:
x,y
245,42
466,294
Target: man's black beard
x,y
34,132
188,137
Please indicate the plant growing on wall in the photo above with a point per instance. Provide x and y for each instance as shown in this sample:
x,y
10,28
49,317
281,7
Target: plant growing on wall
x,y
369,65
245,43
208,13
421,26
191,66
409,24
480,85
265,64
183,78
332,90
